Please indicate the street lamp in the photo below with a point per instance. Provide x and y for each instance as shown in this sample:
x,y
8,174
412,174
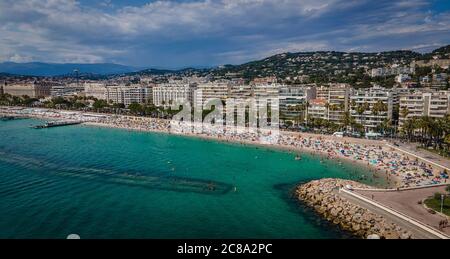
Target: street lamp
x,y
442,201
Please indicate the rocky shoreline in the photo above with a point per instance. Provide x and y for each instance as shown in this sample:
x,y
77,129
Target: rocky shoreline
x,y
321,195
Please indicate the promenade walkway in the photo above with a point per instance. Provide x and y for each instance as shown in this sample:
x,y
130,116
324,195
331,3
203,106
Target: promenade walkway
x,y
408,203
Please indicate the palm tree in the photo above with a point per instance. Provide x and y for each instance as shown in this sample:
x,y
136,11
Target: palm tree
x,y
426,125
346,120
300,110
409,127
379,107
385,126
306,113
360,110
404,112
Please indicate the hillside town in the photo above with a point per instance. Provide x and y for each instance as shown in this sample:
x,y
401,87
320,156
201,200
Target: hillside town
x,y
419,92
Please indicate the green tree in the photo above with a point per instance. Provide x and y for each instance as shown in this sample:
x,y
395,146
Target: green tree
x,y
136,108
100,104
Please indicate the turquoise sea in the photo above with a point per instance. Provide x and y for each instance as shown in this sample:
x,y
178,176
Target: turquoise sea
x,y
111,183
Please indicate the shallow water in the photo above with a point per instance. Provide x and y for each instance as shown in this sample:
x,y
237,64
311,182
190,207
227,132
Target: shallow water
x,y
111,183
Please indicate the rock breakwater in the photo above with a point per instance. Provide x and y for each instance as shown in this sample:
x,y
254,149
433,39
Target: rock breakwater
x,y
322,195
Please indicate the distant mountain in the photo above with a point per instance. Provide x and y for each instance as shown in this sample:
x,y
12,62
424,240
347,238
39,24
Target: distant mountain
x,y
183,71
55,69
154,71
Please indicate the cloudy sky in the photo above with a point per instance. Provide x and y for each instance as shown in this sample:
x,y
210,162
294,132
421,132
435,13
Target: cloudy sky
x,y
181,33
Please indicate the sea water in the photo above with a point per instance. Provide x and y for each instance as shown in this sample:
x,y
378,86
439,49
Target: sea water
x,y
113,183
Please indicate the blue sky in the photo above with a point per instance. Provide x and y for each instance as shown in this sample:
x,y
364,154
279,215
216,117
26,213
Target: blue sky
x,y
199,33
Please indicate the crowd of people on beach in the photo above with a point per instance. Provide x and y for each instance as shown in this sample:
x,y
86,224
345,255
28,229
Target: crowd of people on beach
x,y
407,171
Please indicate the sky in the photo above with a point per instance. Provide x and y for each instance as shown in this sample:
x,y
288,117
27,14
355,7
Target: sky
x,y
205,33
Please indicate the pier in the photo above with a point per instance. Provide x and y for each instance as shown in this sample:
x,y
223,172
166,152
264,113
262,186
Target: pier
x,y
52,124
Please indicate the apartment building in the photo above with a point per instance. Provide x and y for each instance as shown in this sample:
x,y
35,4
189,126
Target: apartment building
x,y
338,102
388,71
211,90
128,94
65,90
265,81
371,107
317,109
293,101
322,92
337,98
96,90
424,102
267,96
241,94
167,94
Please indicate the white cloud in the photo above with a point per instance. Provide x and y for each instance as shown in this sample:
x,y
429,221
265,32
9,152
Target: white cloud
x,y
19,58
65,30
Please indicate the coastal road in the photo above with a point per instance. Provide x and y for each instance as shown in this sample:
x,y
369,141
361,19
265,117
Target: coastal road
x,y
402,219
